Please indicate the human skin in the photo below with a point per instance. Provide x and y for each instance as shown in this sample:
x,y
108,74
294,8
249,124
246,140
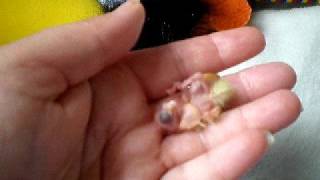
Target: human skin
x,y
76,103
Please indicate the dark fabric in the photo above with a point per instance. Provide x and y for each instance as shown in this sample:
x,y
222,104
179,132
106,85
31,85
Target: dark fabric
x,y
172,20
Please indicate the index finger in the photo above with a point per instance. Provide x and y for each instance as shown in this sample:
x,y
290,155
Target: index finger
x,y
158,68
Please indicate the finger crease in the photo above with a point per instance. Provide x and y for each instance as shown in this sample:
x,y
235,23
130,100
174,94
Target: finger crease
x,y
206,146
244,118
178,62
247,86
221,61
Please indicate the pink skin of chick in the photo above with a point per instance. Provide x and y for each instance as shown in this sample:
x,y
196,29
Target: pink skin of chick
x,y
190,107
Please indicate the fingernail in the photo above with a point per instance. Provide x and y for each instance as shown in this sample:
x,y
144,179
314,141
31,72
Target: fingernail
x,y
128,3
130,9
110,6
134,2
270,138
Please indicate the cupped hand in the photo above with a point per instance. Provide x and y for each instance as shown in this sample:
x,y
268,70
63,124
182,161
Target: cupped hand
x,y
76,103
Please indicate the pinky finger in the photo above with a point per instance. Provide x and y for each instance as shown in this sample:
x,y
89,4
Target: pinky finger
x,y
226,162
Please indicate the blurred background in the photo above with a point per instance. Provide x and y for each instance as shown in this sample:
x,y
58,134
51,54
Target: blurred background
x,y
293,37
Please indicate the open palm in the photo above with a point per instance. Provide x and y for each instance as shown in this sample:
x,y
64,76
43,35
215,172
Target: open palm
x,y
81,105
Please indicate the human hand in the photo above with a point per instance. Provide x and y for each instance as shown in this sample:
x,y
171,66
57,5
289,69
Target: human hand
x,y
77,104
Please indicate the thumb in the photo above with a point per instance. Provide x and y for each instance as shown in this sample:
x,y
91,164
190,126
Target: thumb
x,y
73,53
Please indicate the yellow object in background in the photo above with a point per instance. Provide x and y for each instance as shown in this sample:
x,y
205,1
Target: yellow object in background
x,y
20,18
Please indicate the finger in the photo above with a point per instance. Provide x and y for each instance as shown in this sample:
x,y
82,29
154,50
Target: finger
x,y
255,82
260,80
159,67
77,51
228,161
272,112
